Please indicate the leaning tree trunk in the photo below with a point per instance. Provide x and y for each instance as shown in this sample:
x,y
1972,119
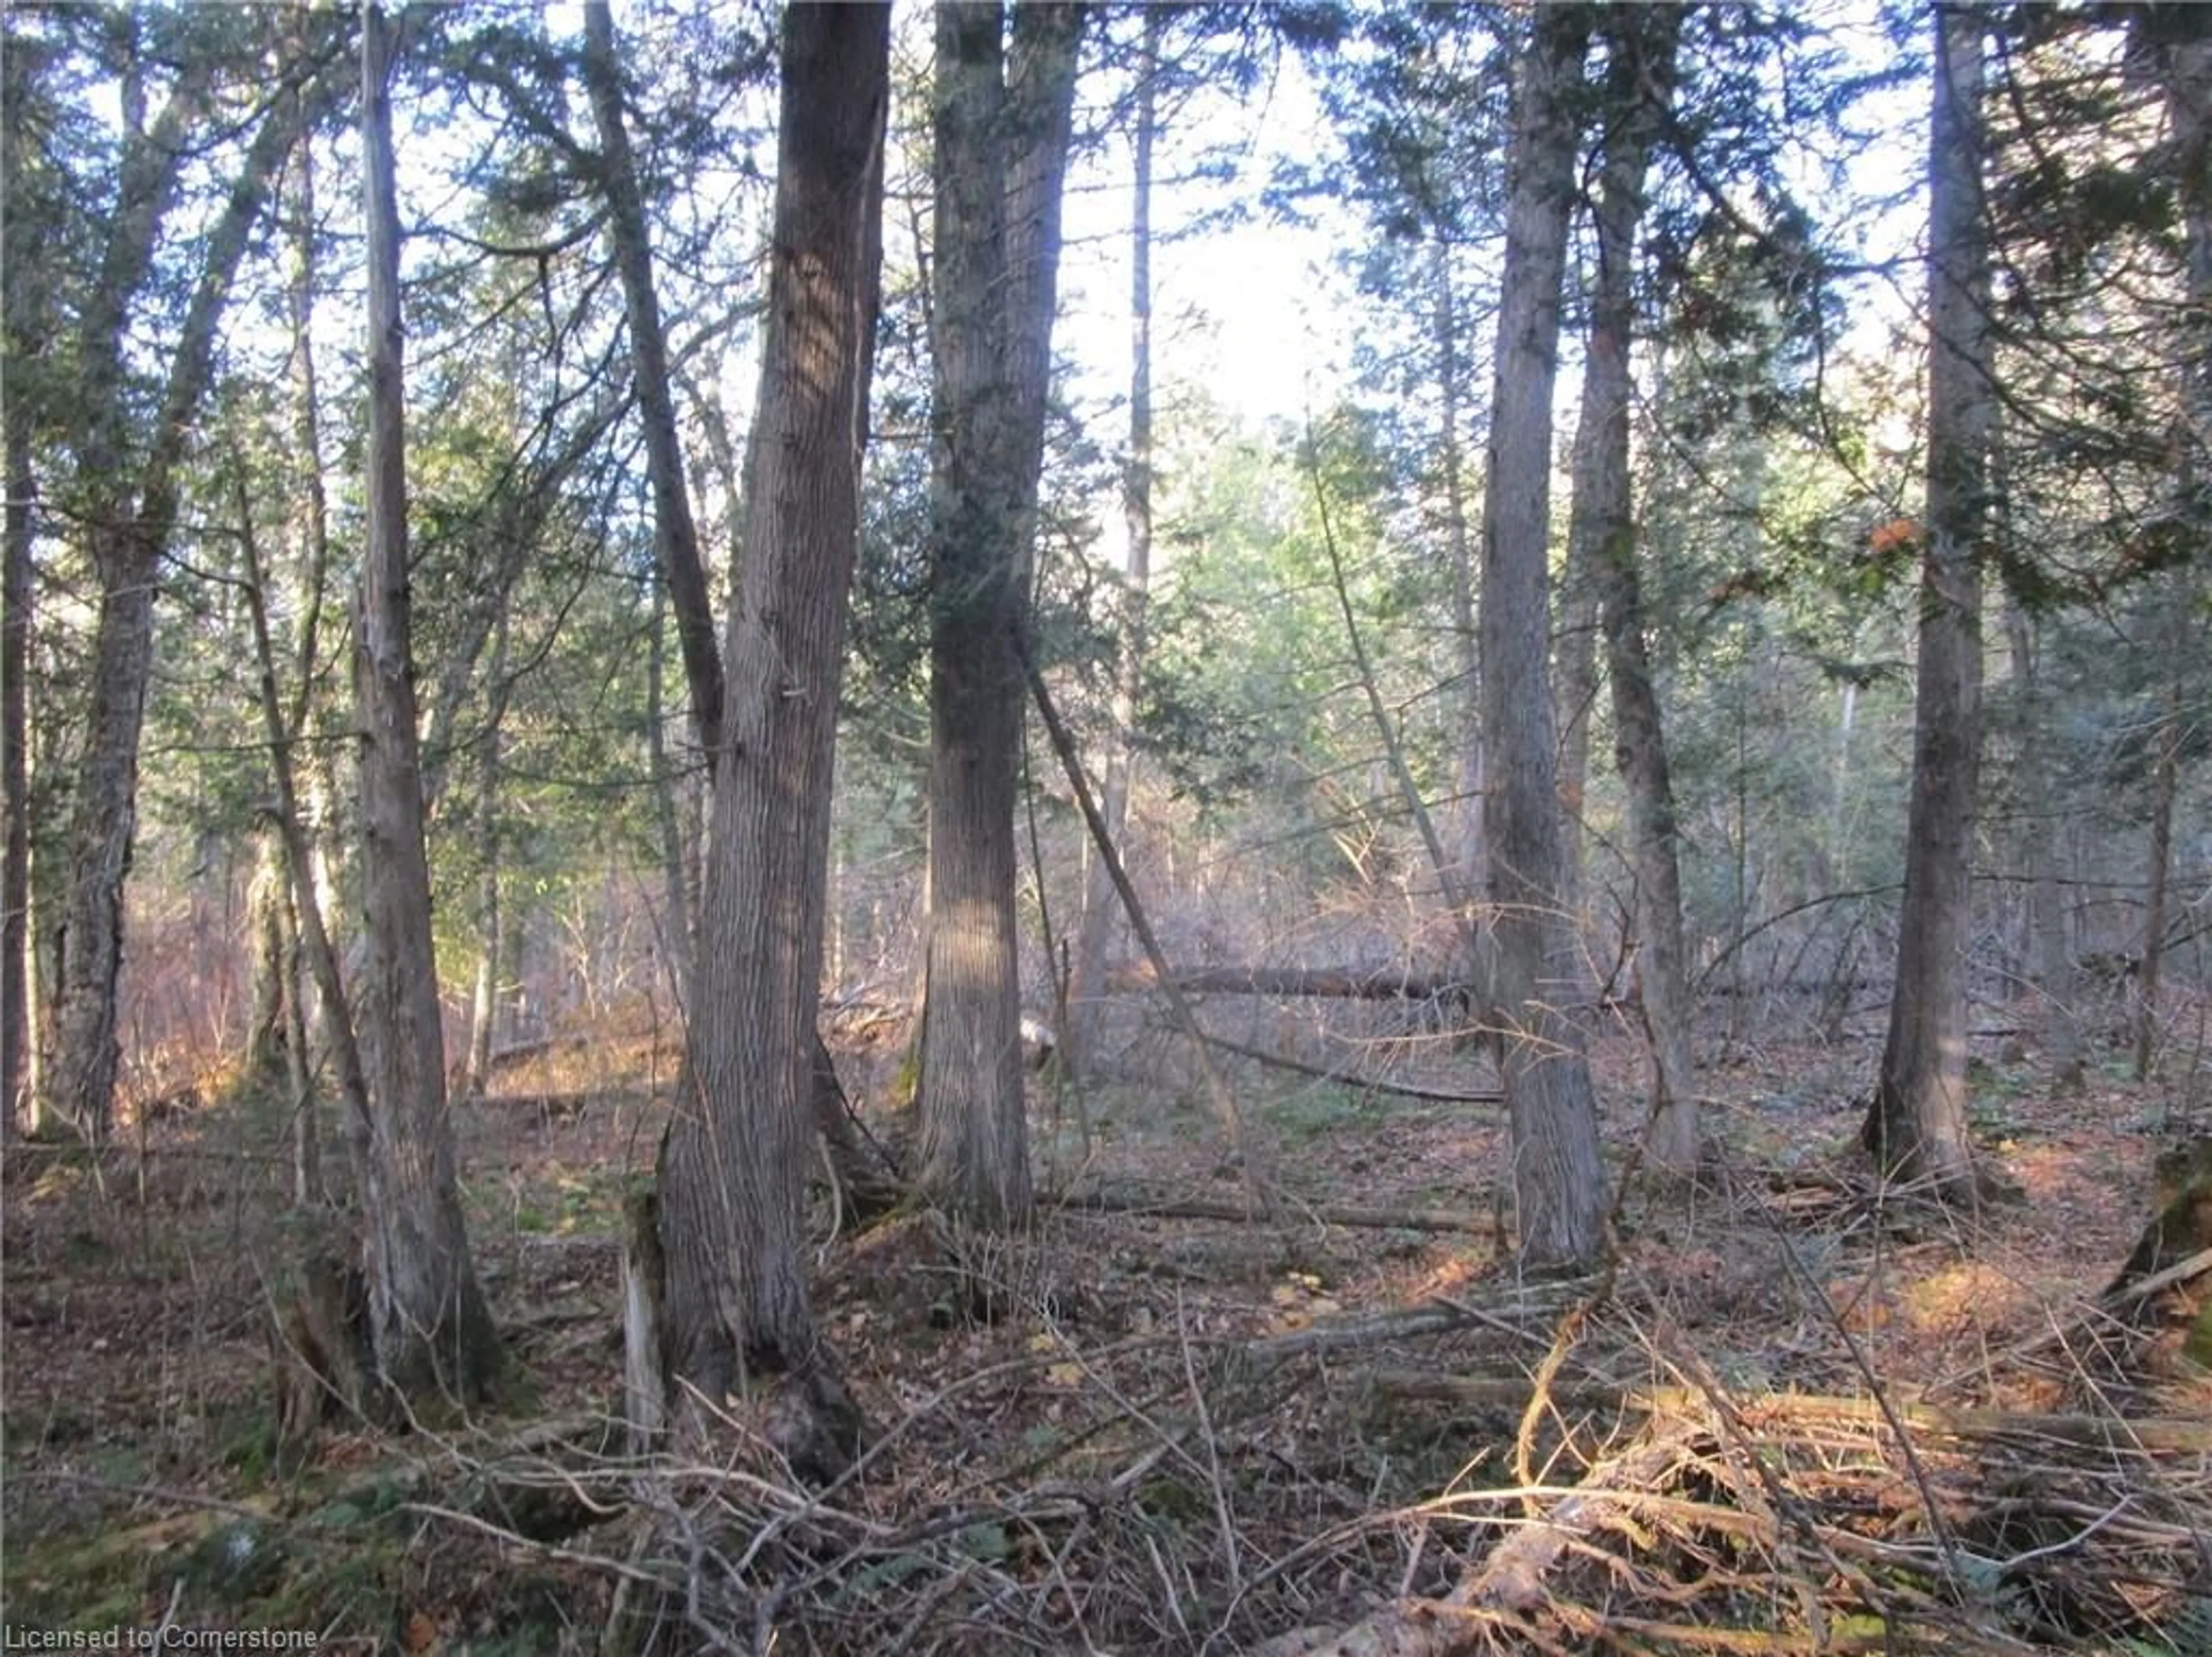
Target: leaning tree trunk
x,y
434,1336
1559,1180
1002,139
1639,80
733,1165
1917,1124
675,535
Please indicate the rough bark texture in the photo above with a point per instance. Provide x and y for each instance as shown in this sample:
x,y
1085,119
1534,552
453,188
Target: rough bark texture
x,y
677,897
483,1001
1639,77
1002,134
1916,1123
23,324
433,1335
2052,955
676,537
15,763
733,1165
1085,1009
1469,848
1558,1182
2181,36
130,506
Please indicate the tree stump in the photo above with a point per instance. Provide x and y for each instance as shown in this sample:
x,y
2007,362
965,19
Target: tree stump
x,y
319,1350
2180,1229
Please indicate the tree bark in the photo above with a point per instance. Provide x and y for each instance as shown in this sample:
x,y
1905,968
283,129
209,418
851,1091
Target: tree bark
x,y
483,1002
130,511
1559,1180
15,546
675,536
311,963
1917,1124
1002,131
433,1335
303,916
1640,79
2183,40
677,897
733,1165
24,321
1470,849
1086,1009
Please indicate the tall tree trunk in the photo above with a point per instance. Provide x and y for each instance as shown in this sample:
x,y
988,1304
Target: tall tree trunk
x,y
733,1165
302,916
1559,1180
2182,40
483,1002
677,895
1640,76
1086,1005
15,538
2164,775
22,321
675,535
130,512
1917,1124
2052,956
311,963
433,1333
1470,852
1002,131
263,1060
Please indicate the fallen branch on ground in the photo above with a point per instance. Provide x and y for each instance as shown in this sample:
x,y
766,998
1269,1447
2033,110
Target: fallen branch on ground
x,y
1357,1219
1353,1079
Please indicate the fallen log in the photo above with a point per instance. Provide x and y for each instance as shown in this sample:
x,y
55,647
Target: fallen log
x,y
1102,1200
1320,984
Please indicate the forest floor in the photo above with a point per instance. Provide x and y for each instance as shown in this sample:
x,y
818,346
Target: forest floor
x,y
1136,1430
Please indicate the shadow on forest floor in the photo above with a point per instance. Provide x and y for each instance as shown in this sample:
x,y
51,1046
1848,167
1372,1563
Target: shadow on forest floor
x,y
1796,1414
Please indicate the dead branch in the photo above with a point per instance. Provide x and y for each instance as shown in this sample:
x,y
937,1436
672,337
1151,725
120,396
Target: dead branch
x,y
1352,1078
1314,983
1259,1177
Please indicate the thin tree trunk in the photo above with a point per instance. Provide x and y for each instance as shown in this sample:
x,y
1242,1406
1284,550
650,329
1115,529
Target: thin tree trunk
x,y
1002,133
433,1335
2164,777
1559,1180
1086,1007
1639,80
264,1060
1917,1124
14,762
675,536
311,963
2184,42
303,915
483,1002
23,320
1470,853
676,896
2053,959
733,1165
